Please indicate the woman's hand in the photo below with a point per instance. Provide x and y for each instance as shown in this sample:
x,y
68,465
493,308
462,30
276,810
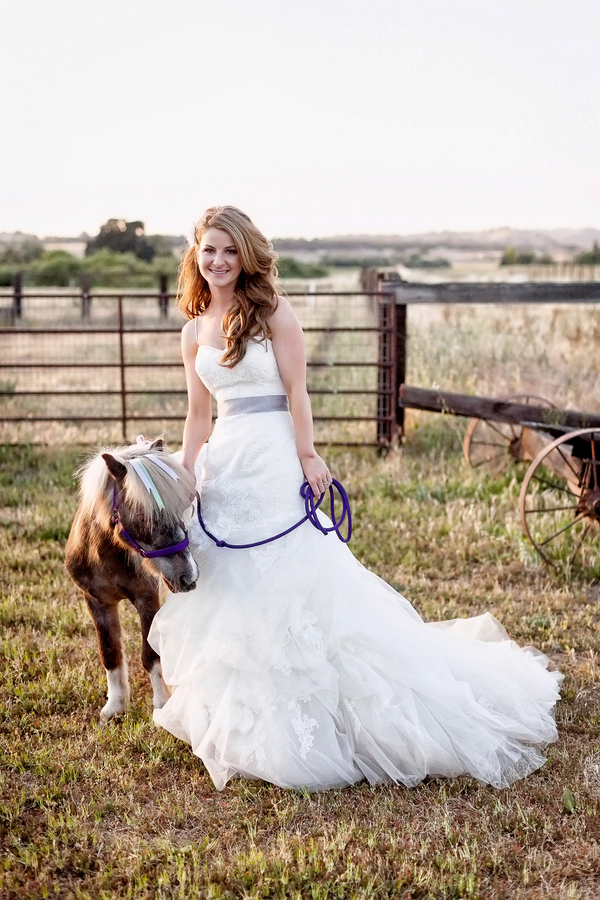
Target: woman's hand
x,y
316,473
189,467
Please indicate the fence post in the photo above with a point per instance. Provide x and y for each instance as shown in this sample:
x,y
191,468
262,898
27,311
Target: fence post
x,y
163,296
386,373
369,282
86,300
17,285
399,320
122,371
400,373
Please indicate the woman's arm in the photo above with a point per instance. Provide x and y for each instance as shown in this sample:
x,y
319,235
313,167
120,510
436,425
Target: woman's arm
x,y
199,419
288,344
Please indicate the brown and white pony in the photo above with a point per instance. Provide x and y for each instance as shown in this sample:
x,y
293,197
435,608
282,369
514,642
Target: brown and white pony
x,y
136,496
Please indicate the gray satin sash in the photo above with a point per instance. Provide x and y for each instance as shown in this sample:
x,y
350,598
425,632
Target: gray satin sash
x,y
238,406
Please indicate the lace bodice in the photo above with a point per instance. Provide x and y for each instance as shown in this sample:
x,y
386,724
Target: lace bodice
x,y
256,375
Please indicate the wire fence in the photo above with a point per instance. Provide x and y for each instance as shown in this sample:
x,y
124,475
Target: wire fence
x,y
102,367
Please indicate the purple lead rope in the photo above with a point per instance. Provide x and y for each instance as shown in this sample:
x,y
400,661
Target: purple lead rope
x,y
311,516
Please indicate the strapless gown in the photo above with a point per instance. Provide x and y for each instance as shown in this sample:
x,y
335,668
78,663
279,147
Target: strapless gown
x,y
293,663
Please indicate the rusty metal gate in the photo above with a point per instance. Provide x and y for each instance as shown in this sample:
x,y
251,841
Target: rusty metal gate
x,y
89,367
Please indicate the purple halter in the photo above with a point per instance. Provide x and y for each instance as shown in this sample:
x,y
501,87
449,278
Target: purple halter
x,y
115,520
311,516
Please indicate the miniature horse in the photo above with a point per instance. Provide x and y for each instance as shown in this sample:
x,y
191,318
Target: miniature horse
x,y
133,500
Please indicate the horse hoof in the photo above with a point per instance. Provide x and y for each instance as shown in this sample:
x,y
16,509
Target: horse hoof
x,y
161,697
111,711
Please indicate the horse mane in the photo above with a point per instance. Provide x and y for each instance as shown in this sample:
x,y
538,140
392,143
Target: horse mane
x,y
97,484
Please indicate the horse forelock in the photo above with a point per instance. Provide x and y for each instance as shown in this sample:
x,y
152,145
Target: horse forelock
x,y
97,485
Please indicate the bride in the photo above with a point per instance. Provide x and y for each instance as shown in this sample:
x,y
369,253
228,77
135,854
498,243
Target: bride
x,y
290,661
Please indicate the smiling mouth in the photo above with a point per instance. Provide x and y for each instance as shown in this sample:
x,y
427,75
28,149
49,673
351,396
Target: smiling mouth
x,y
219,271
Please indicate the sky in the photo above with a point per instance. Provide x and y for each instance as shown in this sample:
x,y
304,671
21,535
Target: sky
x,y
316,117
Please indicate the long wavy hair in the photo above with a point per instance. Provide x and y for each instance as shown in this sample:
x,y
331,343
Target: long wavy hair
x,y
255,297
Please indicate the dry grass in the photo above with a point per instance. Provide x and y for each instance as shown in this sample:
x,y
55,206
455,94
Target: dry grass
x,y
128,811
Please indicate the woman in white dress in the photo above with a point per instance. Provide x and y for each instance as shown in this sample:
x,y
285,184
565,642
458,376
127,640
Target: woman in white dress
x,y
290,661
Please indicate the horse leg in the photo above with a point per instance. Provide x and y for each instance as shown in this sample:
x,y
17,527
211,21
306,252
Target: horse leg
x,y
108,629
147,604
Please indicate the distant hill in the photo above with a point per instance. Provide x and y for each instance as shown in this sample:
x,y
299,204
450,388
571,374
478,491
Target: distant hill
x,y
541,240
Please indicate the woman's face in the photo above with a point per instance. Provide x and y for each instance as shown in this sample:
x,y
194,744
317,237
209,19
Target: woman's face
x,y
218,258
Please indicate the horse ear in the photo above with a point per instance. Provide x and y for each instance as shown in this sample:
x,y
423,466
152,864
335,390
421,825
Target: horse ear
x,y
117,470
157,444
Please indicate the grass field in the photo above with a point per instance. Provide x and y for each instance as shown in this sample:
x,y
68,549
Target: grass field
x,y
127,811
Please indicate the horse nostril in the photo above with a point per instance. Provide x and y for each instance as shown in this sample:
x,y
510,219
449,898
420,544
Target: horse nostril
x,y
188,582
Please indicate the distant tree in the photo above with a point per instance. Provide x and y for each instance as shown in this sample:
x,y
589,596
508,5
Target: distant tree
x,y
122,237
589,257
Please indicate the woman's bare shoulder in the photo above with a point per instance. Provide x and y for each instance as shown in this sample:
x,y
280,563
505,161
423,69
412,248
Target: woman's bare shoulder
x,y
189,344
284,317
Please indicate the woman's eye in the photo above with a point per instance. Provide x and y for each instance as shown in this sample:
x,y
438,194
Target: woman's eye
x,y
233,252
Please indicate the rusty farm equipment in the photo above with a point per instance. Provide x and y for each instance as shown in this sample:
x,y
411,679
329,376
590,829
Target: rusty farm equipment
x,y
560,493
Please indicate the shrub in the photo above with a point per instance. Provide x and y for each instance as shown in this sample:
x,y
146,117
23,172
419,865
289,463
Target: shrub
x,y
165,265
6,275
109,268
416,261
512,257
56,268
589,257
288,267
360,262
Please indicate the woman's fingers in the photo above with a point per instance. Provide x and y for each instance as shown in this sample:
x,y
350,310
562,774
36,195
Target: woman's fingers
x,y
318,476
320,484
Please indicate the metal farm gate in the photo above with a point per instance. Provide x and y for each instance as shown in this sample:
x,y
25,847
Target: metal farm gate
x,y
90,367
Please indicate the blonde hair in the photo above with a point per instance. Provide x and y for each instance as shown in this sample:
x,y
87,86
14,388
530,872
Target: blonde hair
x,y
255,297
176,493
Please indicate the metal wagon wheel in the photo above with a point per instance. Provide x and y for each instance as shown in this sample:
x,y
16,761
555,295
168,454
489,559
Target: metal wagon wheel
x,y
560,499
492,445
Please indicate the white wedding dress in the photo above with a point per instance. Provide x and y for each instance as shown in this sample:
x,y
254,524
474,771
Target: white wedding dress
x,y
293,663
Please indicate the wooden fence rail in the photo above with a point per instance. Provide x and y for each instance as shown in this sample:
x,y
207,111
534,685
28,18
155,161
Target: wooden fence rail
x,y
492,409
